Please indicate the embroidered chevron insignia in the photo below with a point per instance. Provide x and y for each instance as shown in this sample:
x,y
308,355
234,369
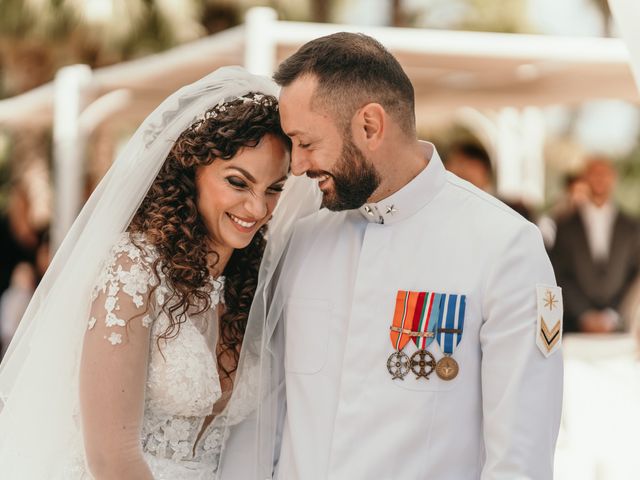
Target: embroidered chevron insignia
x,y
549,300
549,337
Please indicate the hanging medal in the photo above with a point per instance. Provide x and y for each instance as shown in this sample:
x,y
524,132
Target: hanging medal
x,y
449,333
424,322
398,363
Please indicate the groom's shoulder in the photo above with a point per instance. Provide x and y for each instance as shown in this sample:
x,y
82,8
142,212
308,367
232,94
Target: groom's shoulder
x,y
482,205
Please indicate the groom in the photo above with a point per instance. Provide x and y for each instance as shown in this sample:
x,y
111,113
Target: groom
x,y
422,320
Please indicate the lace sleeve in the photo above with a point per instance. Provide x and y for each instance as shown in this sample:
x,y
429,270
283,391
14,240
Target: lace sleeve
x,y
113,368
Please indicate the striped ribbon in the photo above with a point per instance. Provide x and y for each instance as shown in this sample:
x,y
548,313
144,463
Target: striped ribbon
x,y
424,319
450,322
403,318
424,316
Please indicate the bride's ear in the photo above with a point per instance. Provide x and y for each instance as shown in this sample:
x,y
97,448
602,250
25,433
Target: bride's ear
x,y
370,125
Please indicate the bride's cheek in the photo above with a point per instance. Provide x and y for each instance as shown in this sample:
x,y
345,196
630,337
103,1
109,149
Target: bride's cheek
x,y
273,203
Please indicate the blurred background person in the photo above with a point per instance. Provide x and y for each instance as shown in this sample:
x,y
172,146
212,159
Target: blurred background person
x,y
25,277
18,238
14,301
596,255
576,194
18,244
472,163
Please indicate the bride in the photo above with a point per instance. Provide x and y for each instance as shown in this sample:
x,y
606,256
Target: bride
x,y
144,354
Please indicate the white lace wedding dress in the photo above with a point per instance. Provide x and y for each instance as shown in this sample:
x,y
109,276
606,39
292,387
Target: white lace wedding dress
x,y
182,383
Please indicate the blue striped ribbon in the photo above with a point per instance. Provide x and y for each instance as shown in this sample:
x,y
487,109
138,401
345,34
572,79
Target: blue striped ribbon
x,y
451,317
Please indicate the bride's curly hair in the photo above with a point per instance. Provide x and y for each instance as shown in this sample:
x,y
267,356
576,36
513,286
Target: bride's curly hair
x,y
169,219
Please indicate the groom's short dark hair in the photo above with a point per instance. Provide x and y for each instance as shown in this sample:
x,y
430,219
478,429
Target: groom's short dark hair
x,y
352,70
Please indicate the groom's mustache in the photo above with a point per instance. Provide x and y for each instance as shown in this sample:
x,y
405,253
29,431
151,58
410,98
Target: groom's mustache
x,y
317,173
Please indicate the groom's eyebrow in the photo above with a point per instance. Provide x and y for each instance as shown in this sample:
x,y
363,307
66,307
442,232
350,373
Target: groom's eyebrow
x,y
293,133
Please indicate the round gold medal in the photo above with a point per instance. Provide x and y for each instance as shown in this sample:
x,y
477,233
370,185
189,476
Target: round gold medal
x,y
447,368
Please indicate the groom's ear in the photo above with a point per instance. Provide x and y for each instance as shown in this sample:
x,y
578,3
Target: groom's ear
x,y
372,123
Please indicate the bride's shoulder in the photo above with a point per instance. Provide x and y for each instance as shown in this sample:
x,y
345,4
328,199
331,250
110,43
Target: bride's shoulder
x,y
132,256
123,285
133,247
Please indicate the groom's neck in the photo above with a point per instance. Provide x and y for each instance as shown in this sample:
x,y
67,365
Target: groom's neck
x,y
398,163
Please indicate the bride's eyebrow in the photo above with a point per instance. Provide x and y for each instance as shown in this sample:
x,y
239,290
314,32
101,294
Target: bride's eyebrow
x,y
243,172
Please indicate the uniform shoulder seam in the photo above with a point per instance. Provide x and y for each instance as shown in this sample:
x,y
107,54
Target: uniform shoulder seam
x,y
488,199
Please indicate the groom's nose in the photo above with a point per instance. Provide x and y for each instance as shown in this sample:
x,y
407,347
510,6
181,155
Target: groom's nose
x,y
300,162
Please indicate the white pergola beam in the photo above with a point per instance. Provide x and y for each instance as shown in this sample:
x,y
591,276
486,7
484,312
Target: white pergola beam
x,y
469,44
449,69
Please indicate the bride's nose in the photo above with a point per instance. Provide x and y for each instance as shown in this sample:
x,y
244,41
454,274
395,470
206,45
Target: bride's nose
x,y
256,206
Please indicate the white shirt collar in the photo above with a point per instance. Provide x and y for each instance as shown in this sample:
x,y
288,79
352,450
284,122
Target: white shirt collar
x,y
607,209
598,224
413,196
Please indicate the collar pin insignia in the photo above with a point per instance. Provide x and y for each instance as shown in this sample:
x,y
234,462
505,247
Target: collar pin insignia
x,y
368,209
391,209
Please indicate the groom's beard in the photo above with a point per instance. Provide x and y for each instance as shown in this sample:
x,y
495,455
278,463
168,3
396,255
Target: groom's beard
x,y
354,180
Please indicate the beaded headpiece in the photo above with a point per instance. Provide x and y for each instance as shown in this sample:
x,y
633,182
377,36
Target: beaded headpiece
x,y
251,97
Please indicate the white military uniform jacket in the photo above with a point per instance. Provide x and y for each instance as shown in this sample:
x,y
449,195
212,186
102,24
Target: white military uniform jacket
x,y
346,417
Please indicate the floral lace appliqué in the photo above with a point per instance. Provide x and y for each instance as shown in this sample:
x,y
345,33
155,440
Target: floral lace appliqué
x,y
182,377
115,338
126,278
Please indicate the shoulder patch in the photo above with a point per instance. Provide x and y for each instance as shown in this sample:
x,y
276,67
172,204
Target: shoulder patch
x,y
549,327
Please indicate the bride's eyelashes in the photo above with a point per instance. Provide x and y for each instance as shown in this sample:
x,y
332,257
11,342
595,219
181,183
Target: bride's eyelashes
x,y
276,188
239,184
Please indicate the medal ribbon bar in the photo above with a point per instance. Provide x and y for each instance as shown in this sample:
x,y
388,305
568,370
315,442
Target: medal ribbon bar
x,y
412,333
451,322
403,318
424,319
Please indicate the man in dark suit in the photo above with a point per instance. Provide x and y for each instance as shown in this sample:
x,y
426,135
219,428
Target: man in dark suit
x,y
18,239
596,256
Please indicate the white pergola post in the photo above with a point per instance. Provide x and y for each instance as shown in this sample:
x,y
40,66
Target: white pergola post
x,y
533,139
68,148
520,138
482,125
260,40
508,157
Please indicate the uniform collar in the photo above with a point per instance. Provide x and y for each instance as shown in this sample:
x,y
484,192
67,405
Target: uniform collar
x,y
413,196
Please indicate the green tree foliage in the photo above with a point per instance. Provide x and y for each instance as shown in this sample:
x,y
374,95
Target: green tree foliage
x,y
39,36
507,16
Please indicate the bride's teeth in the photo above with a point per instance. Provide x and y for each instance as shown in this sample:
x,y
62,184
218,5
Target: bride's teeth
x,y
242,223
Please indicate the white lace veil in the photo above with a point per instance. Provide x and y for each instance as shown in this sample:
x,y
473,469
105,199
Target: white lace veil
x,y
39,374
253,444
